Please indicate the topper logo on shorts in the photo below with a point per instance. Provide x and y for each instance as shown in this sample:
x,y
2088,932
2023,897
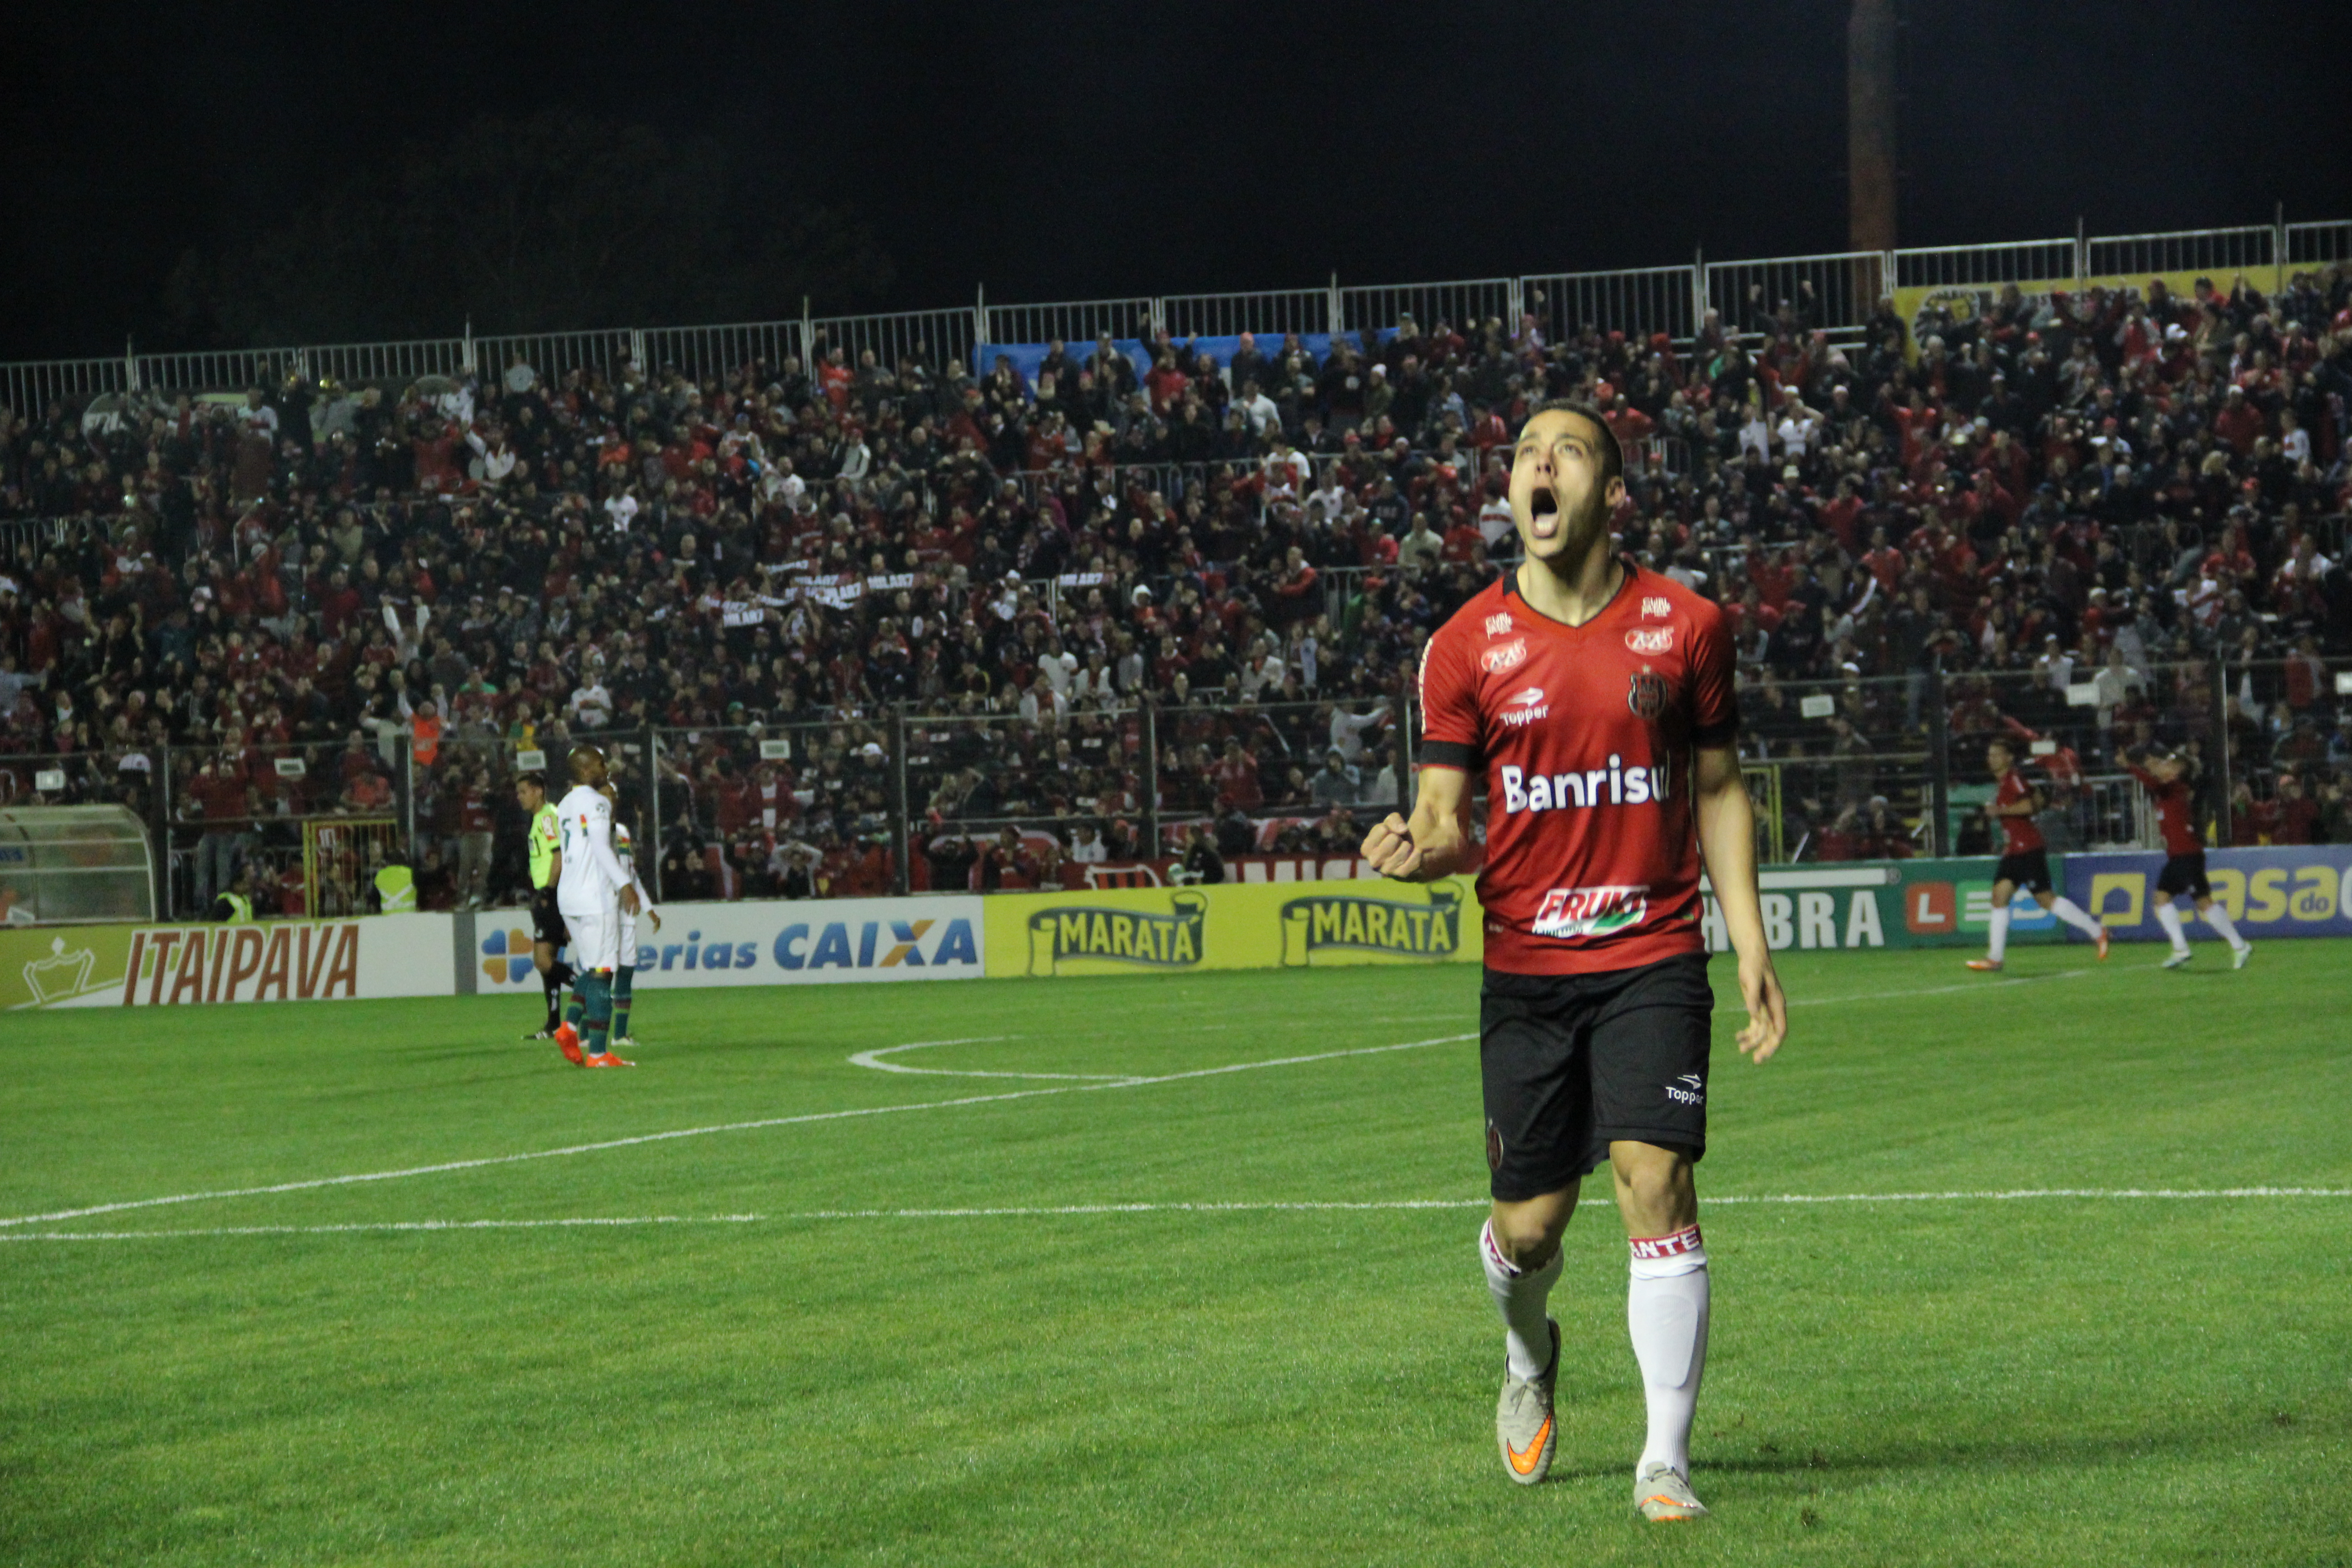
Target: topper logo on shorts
x,y
1661,608
1499,625
1524,705
1507,656
1651,639
1569,912
1689,1088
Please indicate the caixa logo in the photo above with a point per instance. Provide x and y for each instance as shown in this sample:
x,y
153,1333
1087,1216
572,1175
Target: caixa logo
x,y
878,944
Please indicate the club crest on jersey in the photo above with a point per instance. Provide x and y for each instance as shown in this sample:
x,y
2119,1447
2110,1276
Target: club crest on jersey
x,y
1646,695
1651,639
1504,656
1499,625
1524,705
1569,912
1657,607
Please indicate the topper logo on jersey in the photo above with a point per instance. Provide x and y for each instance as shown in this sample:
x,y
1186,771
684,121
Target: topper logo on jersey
x,y
1498,625
1524,705
1505,656
1651,639
1615,784
1661,608
1591,912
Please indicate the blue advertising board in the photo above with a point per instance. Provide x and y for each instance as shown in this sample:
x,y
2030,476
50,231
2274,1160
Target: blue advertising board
x,y
2281,891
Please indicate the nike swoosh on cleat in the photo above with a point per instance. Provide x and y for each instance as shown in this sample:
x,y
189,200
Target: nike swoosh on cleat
x,y
1524,1460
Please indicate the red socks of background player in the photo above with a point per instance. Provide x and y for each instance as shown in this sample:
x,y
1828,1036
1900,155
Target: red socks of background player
x,y
1665,1312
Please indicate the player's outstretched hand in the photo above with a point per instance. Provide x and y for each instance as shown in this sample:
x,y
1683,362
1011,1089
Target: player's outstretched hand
x,y
1768,1010
1390,849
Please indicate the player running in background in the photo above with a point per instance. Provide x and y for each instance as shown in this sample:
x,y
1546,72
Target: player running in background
x,y
545,841
624,977
2167,780
594,891
1595,700
2025,857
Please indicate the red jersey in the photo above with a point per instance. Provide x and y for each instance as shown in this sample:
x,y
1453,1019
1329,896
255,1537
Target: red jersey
x,y
2021,837
2172,813
1584,736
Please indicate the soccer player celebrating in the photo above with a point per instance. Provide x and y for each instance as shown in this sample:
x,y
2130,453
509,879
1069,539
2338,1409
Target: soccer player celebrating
x,y
2024,858
2167,780
1594,699
593,893
545,841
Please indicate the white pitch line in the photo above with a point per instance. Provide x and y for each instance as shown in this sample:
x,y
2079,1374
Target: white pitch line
x,y
314,1182
1938,990
1063,1211
474,1165
874,1059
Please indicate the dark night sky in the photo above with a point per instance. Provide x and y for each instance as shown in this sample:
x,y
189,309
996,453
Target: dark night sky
x,y
1069,152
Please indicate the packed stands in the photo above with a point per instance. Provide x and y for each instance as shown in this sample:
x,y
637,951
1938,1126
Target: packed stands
x,y
883,618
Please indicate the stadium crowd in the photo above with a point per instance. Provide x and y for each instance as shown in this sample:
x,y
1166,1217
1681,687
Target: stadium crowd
x,y
2121,484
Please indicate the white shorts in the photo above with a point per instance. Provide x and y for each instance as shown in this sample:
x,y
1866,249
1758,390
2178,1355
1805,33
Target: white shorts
x,y
596,939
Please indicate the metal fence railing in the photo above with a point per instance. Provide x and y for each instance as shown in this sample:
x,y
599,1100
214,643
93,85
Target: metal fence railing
x,y
1845,288
1031,788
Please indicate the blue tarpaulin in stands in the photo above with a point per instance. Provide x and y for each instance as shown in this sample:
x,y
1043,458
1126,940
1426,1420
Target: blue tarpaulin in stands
x,y
1027,357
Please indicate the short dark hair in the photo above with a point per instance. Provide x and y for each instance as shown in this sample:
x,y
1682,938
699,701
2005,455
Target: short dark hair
x,y
534,778
1613,456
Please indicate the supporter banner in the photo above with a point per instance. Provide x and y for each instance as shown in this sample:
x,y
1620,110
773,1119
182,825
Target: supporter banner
x,y
2283,890
1974,298
1130,930
179,966
1884,903
825,941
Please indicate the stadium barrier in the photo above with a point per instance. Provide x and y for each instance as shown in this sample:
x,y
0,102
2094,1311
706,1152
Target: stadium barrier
x,y
2270,892
178,965
759,942
1131,931
2277,891
2281,891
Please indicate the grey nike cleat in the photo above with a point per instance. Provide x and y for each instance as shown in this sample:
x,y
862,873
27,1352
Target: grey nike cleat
x,y
2175,961
1524,1428
1661,1493
2238,959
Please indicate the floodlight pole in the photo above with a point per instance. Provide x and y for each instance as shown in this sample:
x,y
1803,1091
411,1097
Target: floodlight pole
x,y
1870,111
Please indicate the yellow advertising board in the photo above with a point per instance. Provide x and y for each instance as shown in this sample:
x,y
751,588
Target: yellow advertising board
x,y
1975,299
1132,931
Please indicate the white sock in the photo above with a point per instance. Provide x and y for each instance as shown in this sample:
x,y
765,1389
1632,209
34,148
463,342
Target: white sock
x,y
1520,1295
1665,1311
2219,919
2074,915
1999,941
2170,919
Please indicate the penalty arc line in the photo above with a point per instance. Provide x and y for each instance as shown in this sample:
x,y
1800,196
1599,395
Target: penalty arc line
x,y
315,1183
1063,1211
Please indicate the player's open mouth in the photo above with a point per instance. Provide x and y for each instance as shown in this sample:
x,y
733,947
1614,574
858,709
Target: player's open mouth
x,y
1543,514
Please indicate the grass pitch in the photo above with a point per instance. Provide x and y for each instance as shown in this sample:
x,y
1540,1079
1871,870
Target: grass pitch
x,y
780,1375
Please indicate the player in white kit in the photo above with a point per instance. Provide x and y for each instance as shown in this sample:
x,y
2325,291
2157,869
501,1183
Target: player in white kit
x,y
593,892
624,977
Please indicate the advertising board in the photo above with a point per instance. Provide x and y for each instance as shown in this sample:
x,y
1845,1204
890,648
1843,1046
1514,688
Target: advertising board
x,y
177,966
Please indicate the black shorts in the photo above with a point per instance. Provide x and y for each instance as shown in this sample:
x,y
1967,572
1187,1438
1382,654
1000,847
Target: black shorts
x,y
2184,874
2028,869
547,920
1571,1062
